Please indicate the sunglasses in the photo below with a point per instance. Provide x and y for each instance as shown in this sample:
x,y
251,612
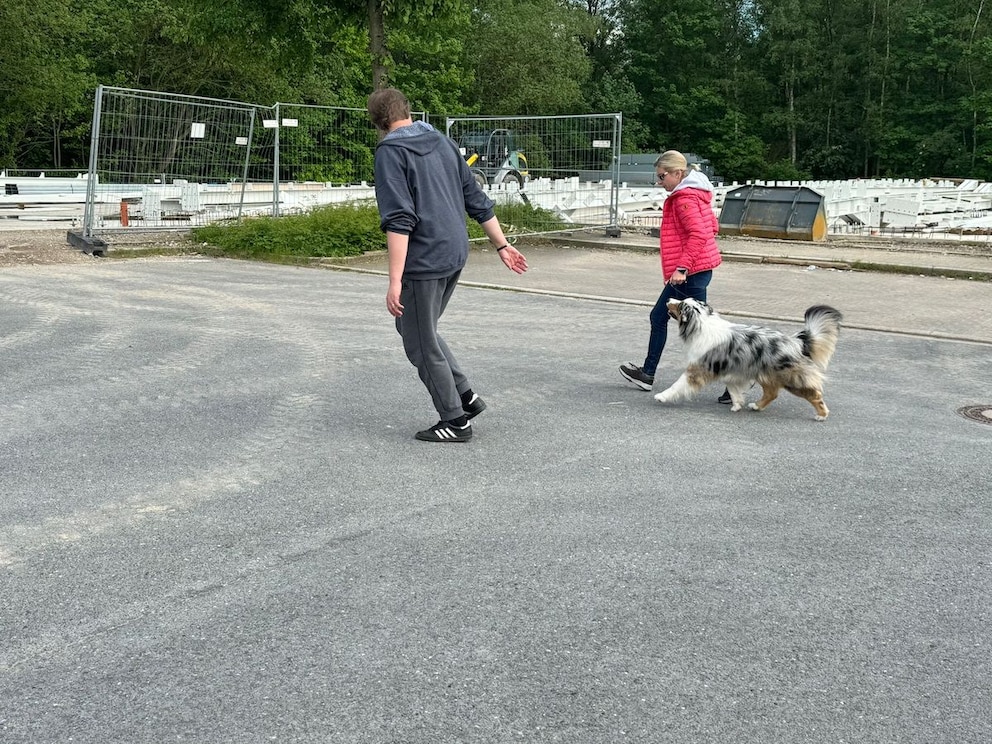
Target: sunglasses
x,y
661,176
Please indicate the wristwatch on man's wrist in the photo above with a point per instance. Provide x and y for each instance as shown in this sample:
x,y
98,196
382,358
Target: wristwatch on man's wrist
x,y
683,269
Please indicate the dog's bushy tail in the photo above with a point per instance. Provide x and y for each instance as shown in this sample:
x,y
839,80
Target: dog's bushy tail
x,y
819,337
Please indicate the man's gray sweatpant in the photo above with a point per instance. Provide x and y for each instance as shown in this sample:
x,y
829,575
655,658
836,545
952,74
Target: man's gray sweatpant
x,y
424,300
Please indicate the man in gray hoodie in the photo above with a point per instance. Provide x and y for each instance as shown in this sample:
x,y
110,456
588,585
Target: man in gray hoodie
x,y
424,189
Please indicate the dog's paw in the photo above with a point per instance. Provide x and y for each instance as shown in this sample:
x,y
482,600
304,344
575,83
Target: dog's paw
x,y
819,418
735,407
753,406
662,398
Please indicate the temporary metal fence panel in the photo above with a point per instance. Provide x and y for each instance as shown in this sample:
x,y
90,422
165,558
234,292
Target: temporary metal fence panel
x,y
324,155
162,160
548,173
166,161
324,144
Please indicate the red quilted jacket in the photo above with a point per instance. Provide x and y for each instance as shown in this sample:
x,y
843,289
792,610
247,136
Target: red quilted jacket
x,y
689,227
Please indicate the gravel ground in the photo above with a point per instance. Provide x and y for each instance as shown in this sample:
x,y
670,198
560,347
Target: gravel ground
x,y
22,247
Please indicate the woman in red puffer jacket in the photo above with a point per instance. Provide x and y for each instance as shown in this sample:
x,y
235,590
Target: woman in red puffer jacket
x,y
689,252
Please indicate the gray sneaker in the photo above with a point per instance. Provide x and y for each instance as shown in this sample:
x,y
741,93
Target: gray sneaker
x,y
636,375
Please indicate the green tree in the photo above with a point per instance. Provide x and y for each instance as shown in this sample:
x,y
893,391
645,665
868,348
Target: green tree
x,y
788,45
528,56
609,88
689,63
216,48
431,63
44,81
382,18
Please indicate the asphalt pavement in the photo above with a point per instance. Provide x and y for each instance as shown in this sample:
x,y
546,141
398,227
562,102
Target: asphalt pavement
x,y
919,287
216,526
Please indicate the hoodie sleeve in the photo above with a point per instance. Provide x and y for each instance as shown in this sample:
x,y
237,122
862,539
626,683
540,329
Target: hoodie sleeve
x,y
392,192
478,206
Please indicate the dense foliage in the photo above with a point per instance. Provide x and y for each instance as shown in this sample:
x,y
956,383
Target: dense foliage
x,y
763,88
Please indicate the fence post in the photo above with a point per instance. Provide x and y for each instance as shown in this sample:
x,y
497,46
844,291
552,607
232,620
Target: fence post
x,y
613,229
275,172
244,173
88,209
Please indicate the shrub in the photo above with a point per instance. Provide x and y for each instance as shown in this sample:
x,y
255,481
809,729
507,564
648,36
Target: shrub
x,y
325,232
338,231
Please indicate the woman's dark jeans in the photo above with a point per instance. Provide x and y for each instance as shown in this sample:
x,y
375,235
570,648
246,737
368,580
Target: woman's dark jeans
x,y
694,287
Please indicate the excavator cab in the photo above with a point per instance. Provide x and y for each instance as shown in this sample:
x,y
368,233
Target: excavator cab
x,y
492,157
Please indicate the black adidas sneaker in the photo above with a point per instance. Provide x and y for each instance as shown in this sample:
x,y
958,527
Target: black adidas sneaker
x,y
474,407
445,431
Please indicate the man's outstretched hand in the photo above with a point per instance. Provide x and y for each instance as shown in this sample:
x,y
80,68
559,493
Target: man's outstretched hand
x,y
513,259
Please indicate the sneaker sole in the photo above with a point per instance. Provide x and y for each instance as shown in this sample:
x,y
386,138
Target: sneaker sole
x,y
641,385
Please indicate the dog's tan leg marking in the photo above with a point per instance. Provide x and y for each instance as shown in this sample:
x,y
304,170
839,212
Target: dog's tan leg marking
x,y
769,392
815,397
689,383
698,377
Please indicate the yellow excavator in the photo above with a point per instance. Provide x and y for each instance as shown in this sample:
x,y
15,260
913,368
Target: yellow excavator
x,y
492,157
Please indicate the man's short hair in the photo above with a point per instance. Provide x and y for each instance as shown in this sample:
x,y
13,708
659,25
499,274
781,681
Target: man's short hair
x,y
386,106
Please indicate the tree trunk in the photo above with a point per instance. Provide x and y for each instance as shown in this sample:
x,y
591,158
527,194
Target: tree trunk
x,y
377,45
791,95
56,142
974,89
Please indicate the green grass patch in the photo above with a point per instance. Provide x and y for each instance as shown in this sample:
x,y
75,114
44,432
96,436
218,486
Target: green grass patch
x,y
336,232
348,230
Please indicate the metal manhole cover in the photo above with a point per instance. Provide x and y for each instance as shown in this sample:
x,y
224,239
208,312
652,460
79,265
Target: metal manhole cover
x,y
981,414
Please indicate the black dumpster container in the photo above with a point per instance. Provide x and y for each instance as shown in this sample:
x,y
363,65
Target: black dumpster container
x,y
790,212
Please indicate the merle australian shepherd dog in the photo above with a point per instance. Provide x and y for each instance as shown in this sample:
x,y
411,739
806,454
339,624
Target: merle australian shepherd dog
x,y
740,355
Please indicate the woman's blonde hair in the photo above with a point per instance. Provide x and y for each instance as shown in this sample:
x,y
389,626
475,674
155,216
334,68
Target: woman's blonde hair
x,y
673,160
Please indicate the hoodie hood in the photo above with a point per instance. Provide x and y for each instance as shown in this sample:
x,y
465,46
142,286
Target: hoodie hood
x,y
694,180
419,137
